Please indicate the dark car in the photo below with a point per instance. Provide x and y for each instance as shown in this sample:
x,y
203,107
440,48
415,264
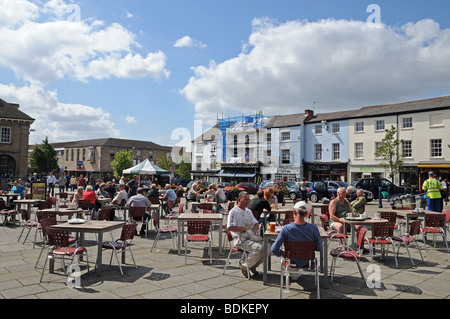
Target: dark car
x,y
293,190
373,185
182,181
320,189
249,187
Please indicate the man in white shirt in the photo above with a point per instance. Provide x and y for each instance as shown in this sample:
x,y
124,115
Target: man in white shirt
x,y
118,200
244,228
51,181
139,200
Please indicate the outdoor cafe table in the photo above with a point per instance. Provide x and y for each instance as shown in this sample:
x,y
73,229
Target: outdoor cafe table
x,y
64,211
314,207
366,222
126,210
93,227
103,201
409,213
8,195
185,217
28,202
269,236
196,204
277,211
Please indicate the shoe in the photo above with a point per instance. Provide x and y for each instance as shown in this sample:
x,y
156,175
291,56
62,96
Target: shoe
x,y
142,232
254,271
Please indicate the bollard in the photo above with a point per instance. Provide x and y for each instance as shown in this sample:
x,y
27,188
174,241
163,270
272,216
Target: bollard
x,y
389,193
380,198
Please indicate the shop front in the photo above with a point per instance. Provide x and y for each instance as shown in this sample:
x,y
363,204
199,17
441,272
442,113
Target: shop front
x,y
326,171
239,172
370,171
442,171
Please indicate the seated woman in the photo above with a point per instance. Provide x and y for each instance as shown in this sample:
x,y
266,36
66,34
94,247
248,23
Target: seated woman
x,y
90,195
78,195
211,192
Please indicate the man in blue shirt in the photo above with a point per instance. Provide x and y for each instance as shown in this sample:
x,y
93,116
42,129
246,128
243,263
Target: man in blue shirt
x,y
299,230
19,189
169,195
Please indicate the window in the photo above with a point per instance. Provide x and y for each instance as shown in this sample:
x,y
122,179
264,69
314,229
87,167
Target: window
x,y
112,155
318,129
318,152
285,156
359,127
377,147
436,148
269,137
407,149
6,135
336,128
379,125
72,155
285,136
336,151
67,156
247,140
407,122
78,155
199,148
359,150
84,154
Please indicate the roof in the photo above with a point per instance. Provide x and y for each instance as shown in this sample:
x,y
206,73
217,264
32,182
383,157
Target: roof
x,y
278,121
386,110
111,142
11,111
209,135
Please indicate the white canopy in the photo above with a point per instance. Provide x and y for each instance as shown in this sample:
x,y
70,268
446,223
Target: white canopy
x,y
146,167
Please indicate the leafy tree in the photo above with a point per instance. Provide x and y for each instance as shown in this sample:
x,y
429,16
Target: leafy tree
x,y
43,159
164,161
184,170
123,160
389,151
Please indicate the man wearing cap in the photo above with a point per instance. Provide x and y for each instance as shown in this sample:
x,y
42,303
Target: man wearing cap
x,y
298,231
433,188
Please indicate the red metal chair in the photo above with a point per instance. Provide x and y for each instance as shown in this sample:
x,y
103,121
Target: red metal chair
x,y
60,248
6,212
392,217
382,235
348,254
154,200
45,223
234,249
197,231
29,225
298,250
446,212
174,214
137,214
122,244
162,230
408,239
434,225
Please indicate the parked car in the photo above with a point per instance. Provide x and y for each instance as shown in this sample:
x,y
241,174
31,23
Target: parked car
x,y
249,187
320,189
293,190
373,184
224,184
182,181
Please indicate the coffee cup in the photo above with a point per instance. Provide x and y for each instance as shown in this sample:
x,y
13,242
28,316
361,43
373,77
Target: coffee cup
x,y
349,215
377,216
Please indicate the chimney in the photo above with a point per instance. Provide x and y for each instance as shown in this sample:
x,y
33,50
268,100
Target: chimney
x,y
309,114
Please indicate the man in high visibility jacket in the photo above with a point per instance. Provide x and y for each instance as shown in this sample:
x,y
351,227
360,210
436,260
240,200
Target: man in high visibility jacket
x,y
433,187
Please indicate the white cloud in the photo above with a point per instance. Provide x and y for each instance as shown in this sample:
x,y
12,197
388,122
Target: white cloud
x,y
48,41
130,120
63,46
336,63
188,42
59,121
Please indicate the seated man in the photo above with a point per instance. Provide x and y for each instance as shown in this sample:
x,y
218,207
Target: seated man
x,y
359,204
139,200
339,208
192,194
244,229
297,231
170,196
117,202
154,193
259,204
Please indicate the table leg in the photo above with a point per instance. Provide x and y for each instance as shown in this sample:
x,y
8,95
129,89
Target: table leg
x,y
266,242
179,237
220,236
99,254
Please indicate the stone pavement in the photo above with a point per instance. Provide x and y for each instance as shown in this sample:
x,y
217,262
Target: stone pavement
x,y
162,274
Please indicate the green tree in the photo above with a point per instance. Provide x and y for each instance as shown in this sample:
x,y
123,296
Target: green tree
x,y
43,159
389,151
122,161
184,170
164,161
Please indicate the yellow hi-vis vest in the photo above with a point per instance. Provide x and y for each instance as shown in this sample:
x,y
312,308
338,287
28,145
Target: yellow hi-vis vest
x,y
433,188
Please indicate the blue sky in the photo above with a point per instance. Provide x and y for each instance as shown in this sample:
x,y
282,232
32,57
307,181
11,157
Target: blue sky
x,y
92,69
